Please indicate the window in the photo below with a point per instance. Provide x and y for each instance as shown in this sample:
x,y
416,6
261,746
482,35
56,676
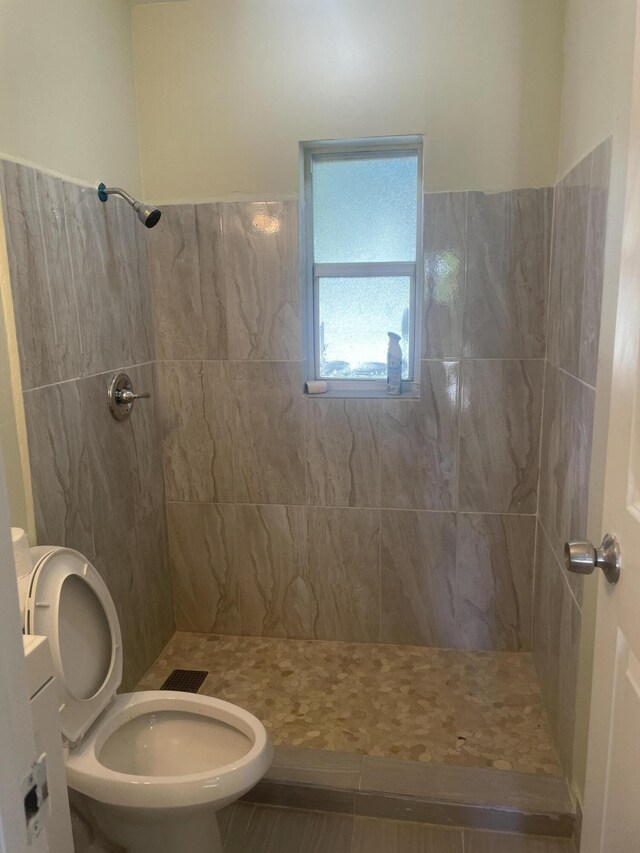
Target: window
x,y
362,239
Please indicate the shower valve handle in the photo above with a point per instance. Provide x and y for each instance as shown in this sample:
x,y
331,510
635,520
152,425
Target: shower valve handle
x,y
125,396
122,396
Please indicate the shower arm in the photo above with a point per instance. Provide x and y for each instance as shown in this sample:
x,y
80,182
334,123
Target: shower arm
x,y
148,215
105,192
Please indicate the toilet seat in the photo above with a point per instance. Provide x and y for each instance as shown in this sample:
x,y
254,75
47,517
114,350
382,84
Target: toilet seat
x,y
88,775
69,603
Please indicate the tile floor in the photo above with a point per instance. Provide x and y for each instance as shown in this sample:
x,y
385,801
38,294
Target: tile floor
x,y
261,829
471,709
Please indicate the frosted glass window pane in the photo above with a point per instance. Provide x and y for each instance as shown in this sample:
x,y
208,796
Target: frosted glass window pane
x,y
355,316
364,210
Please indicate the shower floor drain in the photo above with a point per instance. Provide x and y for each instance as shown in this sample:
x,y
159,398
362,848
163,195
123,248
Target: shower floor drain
x,y
186,680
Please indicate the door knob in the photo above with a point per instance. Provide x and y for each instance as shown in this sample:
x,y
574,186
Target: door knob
x,y
582,558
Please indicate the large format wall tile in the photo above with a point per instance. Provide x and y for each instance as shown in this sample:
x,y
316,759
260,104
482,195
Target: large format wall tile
x,y
418,443
273,588
500,435
269,432
113,466
507,274
128,244
577,271
148,487
594,266
342,438
417,578
144,348
59,467
155,582
104,341
263,283
134,569
444,245
494,573
93,477
118,566
569,242
197,418
115,324
556,646
188,283
201,553
82,305
567,433
45,300
344,565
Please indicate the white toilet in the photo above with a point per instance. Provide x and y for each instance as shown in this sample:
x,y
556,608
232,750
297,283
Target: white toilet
x,y
152,768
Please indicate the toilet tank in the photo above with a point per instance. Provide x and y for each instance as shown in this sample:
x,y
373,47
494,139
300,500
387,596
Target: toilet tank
x,y
43,699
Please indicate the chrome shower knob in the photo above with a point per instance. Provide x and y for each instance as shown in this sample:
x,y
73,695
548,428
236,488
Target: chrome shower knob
x,y
122,396
582,558
125,396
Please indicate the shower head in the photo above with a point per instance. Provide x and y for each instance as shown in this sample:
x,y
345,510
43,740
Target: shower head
x,y
148,215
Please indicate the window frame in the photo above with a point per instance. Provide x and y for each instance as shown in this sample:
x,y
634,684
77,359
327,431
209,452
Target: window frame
x,y
311,273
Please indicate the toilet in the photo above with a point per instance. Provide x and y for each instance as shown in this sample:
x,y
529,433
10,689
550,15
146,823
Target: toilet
x,y
150,768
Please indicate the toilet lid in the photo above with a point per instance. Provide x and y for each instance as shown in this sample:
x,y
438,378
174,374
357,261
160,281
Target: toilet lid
x,y
69,603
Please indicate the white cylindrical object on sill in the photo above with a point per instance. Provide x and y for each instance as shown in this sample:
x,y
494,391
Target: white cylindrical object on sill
x,y
21,552
317,386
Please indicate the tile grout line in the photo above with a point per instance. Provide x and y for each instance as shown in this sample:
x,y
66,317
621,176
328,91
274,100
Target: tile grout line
x,y
110,370
359,508
543,407
447,359
585,257
575,378
461,373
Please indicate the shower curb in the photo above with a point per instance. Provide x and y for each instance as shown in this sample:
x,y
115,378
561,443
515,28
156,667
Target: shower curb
x,y
371,786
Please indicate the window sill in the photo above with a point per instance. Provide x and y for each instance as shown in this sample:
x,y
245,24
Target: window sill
x,y
411,393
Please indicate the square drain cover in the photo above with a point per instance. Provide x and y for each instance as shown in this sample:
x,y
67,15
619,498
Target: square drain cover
x,y
186,680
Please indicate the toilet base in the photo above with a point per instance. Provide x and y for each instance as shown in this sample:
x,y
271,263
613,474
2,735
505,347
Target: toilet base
x,y
158,831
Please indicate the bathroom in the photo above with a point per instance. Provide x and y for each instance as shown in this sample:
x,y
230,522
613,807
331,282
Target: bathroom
x,y
378,579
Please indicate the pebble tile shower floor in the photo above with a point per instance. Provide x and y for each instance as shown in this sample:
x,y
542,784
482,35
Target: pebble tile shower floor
x,y
471,709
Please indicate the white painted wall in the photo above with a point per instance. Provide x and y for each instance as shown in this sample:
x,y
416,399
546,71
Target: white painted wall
x,y
67,100
226,90
597,75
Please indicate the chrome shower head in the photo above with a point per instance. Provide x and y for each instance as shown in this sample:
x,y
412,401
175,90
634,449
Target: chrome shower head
x,y
148,215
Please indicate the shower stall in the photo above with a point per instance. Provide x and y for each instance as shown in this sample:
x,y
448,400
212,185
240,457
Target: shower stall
x,y
380,581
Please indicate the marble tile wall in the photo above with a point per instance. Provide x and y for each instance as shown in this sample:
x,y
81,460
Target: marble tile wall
x,y
398,521
82,301
575,293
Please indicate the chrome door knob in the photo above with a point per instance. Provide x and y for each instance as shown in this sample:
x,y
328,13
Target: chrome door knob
x,y
582,558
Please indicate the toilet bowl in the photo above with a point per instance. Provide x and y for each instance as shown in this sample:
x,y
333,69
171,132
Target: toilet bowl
x,y
152,768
